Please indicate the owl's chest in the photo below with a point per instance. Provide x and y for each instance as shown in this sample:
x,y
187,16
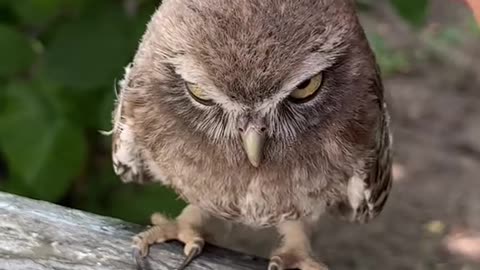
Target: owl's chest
x,y
255,197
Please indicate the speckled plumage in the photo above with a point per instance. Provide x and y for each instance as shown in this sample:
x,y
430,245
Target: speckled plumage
x,y
330,153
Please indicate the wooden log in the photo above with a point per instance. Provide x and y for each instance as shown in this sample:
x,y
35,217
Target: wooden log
x,y
36,235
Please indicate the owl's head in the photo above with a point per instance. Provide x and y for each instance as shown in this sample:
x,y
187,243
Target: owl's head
x,y
269,75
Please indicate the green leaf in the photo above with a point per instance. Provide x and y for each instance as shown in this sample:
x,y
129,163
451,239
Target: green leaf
x,y
102,183
81,107
474,26
16,52
137,204
2,98
37,12
451,36
43,149
364,5
16,186
6,14
106,109
90,52
390,61
414,11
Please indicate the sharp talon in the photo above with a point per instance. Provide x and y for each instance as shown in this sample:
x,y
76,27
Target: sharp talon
x,y
275,263
274,267
194,252
141,249
140,261
140,246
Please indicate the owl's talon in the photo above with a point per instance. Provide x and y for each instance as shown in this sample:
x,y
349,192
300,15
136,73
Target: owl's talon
x,y
294,261
141,247
275,263
274,267
139,259
192,250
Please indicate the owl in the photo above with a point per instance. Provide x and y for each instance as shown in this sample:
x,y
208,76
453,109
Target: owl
x,y
268,113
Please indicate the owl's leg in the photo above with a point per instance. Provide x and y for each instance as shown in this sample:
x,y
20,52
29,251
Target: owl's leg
x,y
186,229
295,251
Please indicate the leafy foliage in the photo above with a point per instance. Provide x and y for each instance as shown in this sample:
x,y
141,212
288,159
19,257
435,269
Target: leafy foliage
x,y
414,11
44,150
16,51
59,61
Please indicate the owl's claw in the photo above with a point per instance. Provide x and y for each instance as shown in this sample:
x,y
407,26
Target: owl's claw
x,y
294,261
140,262
141,247
163,229
192,250
275,263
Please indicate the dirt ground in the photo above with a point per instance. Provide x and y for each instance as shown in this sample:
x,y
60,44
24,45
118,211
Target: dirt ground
x,y
432,218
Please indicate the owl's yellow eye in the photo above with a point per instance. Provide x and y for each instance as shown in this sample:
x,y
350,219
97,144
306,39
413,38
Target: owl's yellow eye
x,y
199,94
307,89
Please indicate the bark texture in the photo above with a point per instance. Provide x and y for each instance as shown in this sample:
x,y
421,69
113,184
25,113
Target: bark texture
x,y
38,236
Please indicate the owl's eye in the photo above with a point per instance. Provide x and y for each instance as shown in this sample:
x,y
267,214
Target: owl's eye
x,y
307,89
198,94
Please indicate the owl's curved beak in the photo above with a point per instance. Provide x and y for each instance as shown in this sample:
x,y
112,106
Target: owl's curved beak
x,y
253,142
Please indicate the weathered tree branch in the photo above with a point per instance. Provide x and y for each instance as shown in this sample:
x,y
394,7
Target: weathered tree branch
x,y
38,236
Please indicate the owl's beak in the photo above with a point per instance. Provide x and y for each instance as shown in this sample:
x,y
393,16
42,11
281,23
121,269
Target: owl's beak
x,y
253,142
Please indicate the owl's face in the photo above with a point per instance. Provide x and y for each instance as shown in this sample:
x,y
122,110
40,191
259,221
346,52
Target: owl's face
x,y
269,75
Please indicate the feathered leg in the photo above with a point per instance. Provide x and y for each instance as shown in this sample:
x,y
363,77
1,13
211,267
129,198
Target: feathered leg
x,y
295,251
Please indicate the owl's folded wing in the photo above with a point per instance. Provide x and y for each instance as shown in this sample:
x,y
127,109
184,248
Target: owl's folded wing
x,y
127,158
368,190
369,187
379,177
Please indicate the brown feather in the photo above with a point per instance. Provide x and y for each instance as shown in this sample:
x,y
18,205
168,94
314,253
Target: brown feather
x,y
248,55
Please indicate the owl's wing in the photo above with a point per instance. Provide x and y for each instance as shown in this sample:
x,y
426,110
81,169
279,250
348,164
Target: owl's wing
x,y
378,181
128,162
369,188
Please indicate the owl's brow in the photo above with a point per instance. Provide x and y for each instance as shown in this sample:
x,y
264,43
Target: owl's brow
x,y
312,66
191,71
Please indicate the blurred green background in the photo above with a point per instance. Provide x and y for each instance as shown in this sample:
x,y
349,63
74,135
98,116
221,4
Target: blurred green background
x,y
59,63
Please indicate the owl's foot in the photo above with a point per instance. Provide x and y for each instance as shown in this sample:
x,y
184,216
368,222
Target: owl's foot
x,y
294,251
184,229
294,260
